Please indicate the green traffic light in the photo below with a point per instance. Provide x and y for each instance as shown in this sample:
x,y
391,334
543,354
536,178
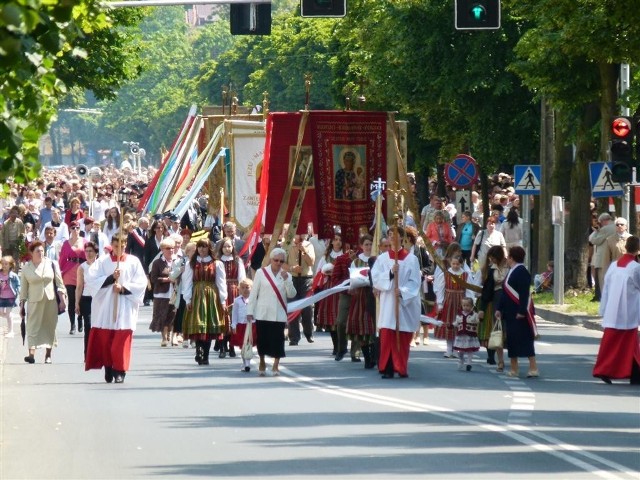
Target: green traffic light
x,y
478,13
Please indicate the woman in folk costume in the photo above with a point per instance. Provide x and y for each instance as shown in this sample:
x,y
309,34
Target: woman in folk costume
x,y
361,321
516,308
205,294
235,273
450,290
328,307
493,274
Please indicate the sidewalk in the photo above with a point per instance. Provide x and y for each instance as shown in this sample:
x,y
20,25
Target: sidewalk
x,y
558,314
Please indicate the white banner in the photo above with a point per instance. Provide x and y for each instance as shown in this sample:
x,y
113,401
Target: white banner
x,y
305,302
247,150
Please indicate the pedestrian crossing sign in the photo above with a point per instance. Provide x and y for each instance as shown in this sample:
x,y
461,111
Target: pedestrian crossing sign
x,y
602,185
527,179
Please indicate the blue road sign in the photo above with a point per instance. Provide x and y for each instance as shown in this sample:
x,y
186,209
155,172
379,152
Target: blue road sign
x,y
602,185
527,179
462,172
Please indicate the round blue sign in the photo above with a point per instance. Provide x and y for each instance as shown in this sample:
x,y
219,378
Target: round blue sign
x,y
462,172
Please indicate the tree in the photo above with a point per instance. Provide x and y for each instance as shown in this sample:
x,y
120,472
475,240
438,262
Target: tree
x,y
570,57
39,42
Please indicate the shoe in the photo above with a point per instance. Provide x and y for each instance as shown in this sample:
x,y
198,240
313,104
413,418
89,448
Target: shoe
x,y
491,361
355,359
533,374
309,338
108,374
513,374
9,335
606,380
247,369
185,344
203,362
232,352
262,373
425,341
468,368
386,376
222,354
119,377
293,343
80,328
500,368
403,375
594,299
413,343
275,373
47,360
29,359
164,343
340,355
174,342
72,331
147,303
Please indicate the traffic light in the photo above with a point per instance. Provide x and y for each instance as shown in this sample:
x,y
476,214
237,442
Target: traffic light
x,y
250,19
621,149
323,8
477,14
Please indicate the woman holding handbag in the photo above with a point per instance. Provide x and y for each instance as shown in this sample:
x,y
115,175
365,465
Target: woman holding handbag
x,y
272,285
40,286
493,275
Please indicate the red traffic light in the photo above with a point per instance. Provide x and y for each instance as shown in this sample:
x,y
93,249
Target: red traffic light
x,y
621,127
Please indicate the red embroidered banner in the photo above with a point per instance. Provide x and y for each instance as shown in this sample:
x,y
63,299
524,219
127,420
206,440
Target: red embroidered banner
x,y
280,148
349,153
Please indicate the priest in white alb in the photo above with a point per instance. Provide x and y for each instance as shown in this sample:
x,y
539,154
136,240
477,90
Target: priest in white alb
x,y
396,275
619,354
121,284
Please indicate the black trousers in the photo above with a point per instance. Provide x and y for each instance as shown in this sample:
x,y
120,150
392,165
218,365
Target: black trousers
x,y
302,286
177,321
71,304
85,312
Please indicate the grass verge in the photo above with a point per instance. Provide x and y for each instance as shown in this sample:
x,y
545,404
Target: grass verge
x,y
575,300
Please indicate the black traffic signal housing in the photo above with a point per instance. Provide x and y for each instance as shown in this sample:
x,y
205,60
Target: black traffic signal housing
x,y
622,133
250,19
477,14
323,8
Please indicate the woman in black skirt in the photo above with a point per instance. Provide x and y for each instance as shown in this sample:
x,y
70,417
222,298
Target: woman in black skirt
x,y
268,306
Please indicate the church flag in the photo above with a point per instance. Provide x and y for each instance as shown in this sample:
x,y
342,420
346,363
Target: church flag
x,y
349,152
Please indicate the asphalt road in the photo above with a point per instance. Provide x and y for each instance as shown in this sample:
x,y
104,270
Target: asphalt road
x,y
320,419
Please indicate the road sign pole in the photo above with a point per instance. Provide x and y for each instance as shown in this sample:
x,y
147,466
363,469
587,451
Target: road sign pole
x,y
558,252
526,230
625,202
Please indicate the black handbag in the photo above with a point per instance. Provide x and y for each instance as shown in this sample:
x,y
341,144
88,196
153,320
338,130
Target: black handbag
x,y
61,309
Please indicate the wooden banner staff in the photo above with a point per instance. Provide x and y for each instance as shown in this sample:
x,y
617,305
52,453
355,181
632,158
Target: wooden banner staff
x,y
284,204
307,90
377,186
402,174
265,105
297,210
123,195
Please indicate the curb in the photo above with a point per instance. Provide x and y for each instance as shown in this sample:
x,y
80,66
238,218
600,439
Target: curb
x,y
591,322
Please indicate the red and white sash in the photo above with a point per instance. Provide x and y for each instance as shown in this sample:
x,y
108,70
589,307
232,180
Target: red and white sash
x,y
515,297
275,289
138,238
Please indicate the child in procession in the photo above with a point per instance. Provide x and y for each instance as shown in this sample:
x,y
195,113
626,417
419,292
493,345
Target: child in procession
x,y
466,341
239,320
9,288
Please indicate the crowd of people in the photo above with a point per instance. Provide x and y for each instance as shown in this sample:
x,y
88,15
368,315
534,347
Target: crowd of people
x,y
80,251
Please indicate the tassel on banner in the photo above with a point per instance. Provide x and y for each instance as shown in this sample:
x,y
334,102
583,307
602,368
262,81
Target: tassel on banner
x,y
612,205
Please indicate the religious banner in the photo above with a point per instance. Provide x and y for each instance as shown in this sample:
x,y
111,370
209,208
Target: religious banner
x,y
247,151
349,153
282,139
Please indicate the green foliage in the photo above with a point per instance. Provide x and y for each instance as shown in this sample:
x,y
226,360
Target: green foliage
x,y
44,48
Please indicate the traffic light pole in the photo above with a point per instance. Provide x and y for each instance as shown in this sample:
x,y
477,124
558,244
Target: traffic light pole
x,y
625,83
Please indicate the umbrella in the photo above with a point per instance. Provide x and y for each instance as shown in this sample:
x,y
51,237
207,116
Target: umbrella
x,y
23,325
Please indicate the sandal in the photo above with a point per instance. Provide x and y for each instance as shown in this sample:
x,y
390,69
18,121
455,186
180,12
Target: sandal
x,y
500,368
511,373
